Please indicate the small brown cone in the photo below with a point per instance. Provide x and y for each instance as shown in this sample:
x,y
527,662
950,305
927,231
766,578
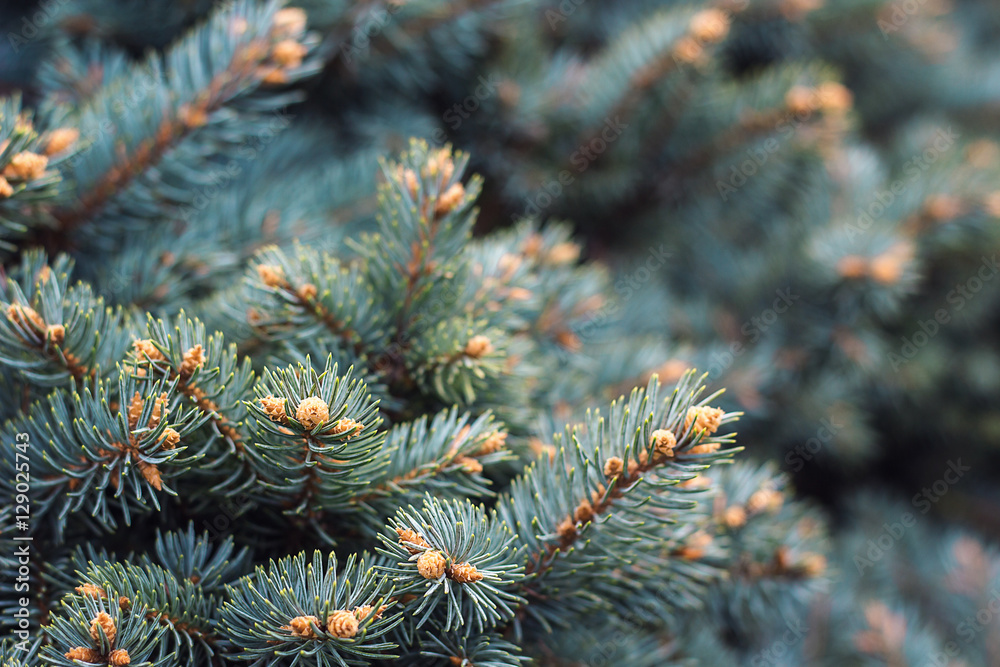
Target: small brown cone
x,y
85,654
289,21
193,359
272,276
432,564
710,25
312,412
613,467
288,53
61,139
342,624
145,349
119,658
348,426
705,418
465,573
103,622
25,317
56,333
91,590
302,626
663,441
274,408
408,536
448,200
170,438
478,346
26,166
734,517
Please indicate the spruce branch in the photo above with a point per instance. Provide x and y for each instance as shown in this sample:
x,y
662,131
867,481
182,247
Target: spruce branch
x,y
110,445
195,558
296,612
205,370
14,655
316,435
214,76
604,487
457,360
30,178
464,650
444,456
673,49
98,630
52,333
298,299
459,559
181,606
425,218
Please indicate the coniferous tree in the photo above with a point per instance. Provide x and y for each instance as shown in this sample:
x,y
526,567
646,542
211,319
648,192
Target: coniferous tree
x,y
279,405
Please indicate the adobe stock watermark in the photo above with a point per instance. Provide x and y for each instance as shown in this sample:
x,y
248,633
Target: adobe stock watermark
x,y
757,157
956,299
752,330
462,111
32,26
229,510
223,176
643,615
912,168
581,159
22,544
626,286
772,654
797,458
967,630
923,501
891,19
359,45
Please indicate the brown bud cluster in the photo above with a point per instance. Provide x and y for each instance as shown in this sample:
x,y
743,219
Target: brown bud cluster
x,y
26,166
663,441
408,536
275,409
465,573
449,199
342,624
61,139
302,626
706,419
734,516
365,610
493,443
91,590
710,25
25,317
288,53
103,622
312,412
170,438
478,346
119,658
271,275
431,564
193,359
85,654
348,426
613,467
145,349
